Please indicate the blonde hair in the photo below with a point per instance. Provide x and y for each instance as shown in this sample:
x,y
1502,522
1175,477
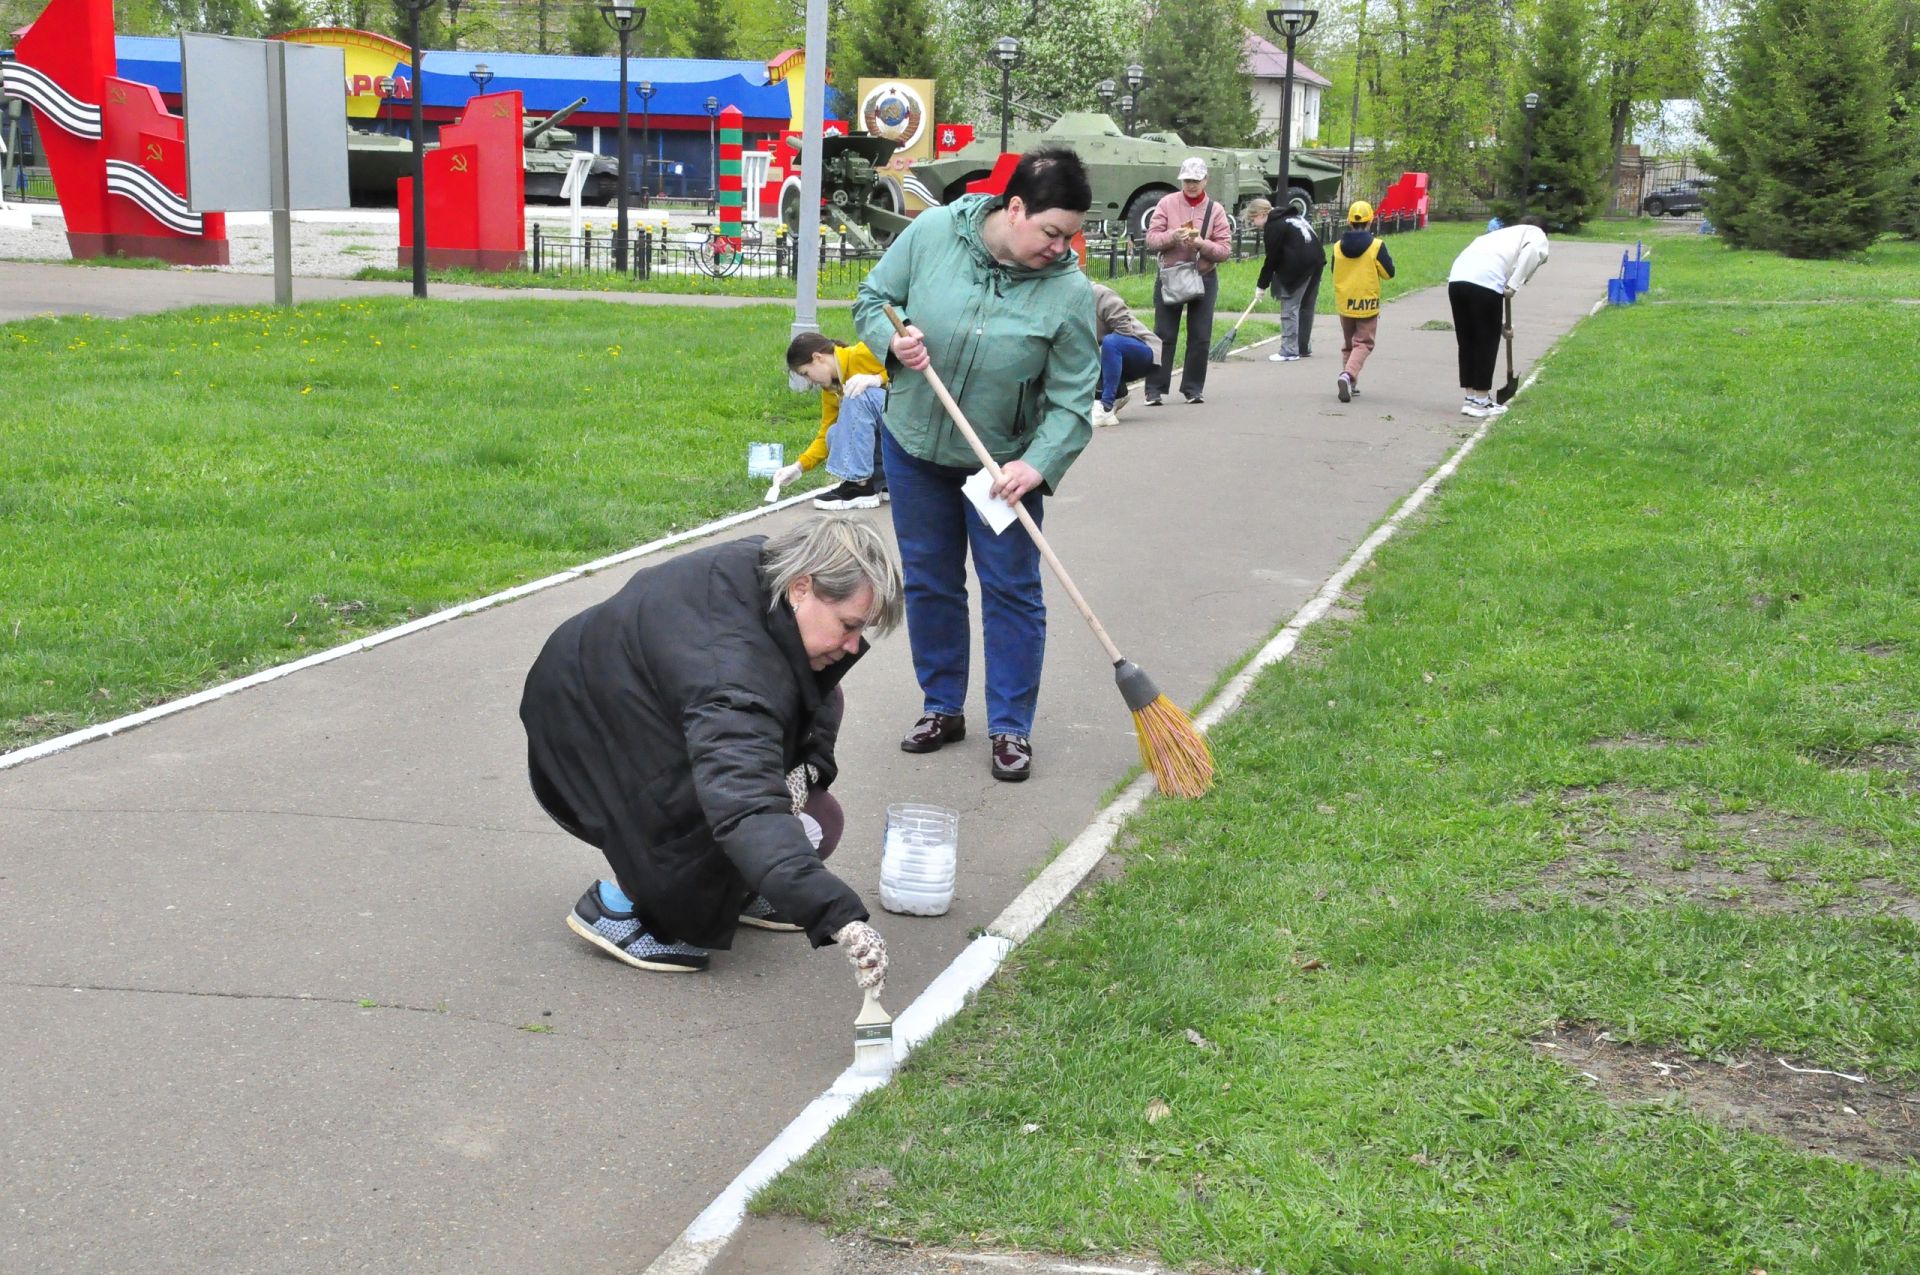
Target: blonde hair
x,y
1255,207
839,554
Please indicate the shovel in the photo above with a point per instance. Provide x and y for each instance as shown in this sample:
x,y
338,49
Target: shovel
x,y
1512,386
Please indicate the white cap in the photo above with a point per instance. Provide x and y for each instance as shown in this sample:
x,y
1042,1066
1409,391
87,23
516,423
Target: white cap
x,y
1193,169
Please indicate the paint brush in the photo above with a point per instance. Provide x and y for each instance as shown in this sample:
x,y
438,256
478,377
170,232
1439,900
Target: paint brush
x,y
872,1038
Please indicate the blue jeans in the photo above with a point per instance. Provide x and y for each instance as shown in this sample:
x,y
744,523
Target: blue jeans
x,y
853,438
935,525
1122,359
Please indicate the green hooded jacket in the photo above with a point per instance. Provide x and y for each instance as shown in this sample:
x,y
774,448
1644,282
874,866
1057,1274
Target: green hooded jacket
x,y
1015,346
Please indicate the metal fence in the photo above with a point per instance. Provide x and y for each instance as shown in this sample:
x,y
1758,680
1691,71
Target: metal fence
x,y
700,252
1670,182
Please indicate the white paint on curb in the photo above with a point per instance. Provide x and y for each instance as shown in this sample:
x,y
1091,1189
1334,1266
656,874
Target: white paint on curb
x,y
119,725
707,1235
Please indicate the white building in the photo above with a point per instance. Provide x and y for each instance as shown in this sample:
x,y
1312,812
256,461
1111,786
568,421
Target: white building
x,y
1268,66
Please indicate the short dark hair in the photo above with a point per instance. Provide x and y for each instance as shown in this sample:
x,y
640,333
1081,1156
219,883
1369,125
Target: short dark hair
x,y
1534,220
804,346
1052,177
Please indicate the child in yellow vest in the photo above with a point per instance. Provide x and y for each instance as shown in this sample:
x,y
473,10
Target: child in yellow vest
x,y
852,385
1360,262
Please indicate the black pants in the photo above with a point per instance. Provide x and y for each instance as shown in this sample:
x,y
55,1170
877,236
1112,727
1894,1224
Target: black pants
x,y
1476,328
1166,326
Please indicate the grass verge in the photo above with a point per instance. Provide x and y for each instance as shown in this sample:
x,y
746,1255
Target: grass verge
x,y
835,285
211,492
1672,596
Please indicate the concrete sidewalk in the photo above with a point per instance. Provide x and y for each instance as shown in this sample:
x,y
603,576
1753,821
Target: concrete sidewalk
x,y
291,985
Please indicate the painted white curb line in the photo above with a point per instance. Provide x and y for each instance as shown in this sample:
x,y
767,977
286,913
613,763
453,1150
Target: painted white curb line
x,y
101,730
696,1247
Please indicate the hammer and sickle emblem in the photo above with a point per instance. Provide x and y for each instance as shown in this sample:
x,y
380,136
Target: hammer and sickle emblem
x,y
154,153
459,163
501,110
117,95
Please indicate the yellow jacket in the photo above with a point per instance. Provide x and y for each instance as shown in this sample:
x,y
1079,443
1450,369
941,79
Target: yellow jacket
x,y
855,360
1360,262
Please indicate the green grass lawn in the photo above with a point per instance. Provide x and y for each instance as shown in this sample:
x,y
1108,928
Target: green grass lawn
x,y
211,492
1668,610
836,283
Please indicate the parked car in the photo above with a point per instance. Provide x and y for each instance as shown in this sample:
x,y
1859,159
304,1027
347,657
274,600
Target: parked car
x,y
1689,195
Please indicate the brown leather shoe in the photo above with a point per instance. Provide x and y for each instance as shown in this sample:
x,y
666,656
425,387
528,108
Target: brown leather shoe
x,y
1012,757
934,732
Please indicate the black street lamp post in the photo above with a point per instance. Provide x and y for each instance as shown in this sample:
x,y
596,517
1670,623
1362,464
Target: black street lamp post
x,y
481,75
625,17
713,154
1532,103
1290,21
645,90
419,122
1006,51
1105,90
1134,77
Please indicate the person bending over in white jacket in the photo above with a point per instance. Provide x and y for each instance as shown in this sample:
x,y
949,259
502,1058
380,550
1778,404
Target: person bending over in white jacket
x,y
1487,271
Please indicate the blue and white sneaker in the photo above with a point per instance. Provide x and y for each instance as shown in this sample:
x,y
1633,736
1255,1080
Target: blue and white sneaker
x,y
763,914
620,935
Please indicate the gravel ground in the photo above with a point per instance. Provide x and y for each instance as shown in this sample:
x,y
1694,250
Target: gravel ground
x,y
325,245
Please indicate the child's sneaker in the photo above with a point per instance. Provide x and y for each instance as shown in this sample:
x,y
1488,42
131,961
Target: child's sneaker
x,y
620,935
849,495
1344,388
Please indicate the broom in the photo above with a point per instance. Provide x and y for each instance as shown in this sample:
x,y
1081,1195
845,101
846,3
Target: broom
x,y
1171,747
1220,348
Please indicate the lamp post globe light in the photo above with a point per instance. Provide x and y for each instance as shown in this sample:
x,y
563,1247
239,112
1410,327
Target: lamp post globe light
x,y
418,124
713,154
1105,90
481,75
1126,110
645,89
625,18
1532,103
1290,21
1006,51
1133,77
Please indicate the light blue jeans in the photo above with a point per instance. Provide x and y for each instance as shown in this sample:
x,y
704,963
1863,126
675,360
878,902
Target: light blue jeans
x,y
853,439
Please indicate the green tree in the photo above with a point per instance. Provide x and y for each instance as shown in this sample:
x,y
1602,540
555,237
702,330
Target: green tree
x,y
710,35
1197,82
1570,160
1646,50
283,15
891,38
1802,130
1903,197
1442,63
588,35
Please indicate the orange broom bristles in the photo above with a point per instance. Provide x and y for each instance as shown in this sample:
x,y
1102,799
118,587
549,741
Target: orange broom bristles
x,y
1173,749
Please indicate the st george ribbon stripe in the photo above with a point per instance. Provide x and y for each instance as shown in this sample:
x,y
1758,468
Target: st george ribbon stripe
x,y
143,188
37,89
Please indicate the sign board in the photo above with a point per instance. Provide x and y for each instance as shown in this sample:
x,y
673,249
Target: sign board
x,y
241,118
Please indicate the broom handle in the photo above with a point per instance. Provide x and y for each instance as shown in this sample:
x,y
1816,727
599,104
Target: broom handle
x,y
1249,310
1019,507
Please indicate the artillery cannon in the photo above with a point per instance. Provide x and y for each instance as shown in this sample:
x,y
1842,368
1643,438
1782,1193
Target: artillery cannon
x,y
857,193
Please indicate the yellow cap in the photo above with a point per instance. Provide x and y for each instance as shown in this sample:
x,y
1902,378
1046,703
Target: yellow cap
x,y
1359,213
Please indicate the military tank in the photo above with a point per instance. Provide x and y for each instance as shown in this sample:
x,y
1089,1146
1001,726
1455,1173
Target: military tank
x,y
377,161
1131,174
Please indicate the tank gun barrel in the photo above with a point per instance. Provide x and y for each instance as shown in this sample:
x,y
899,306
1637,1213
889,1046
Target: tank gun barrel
x,y
554,120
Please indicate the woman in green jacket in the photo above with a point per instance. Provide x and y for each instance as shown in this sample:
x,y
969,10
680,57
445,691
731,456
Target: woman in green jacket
x,y
995,302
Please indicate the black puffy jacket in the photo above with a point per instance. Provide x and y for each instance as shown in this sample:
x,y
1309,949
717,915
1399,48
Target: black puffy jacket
x,y
665,720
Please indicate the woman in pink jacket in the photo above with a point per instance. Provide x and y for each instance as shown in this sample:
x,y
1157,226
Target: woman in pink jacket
x,y
1188,225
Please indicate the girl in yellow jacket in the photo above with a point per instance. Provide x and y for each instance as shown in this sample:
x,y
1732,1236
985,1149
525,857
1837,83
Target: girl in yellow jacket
x,y
852,399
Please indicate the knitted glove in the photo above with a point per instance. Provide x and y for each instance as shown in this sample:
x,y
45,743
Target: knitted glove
x,y
867,952
797,783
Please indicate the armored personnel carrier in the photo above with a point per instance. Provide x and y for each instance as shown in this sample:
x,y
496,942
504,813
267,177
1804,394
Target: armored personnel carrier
x,y
1131,174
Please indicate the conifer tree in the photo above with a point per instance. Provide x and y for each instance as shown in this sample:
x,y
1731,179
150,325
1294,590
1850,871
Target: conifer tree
x,y
1569,167
1197,83
710,35
588,35
1802,131
888,38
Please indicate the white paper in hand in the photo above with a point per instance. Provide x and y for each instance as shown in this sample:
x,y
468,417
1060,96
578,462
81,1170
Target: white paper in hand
x,y
996,512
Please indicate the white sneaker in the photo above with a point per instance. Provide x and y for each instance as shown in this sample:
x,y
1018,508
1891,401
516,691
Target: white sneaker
x,y
1103,417
1283,358
1477,407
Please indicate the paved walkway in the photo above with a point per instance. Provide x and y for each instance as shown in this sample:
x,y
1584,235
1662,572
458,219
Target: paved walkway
x,y
288,973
